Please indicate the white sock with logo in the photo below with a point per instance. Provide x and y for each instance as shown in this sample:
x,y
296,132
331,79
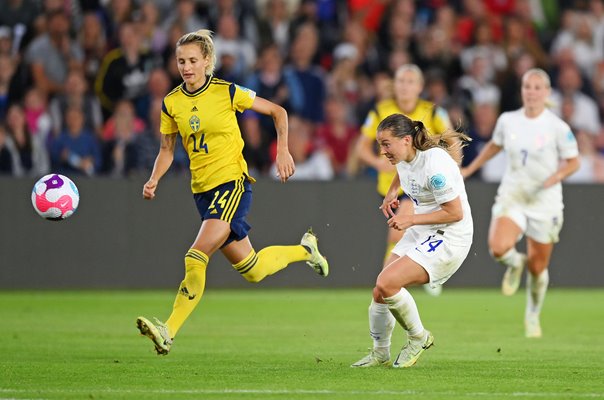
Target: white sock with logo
x,y
536,287
404,309
381,325
511,258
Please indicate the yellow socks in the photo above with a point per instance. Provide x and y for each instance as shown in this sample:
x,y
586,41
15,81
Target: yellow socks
x,y
257,266
190,290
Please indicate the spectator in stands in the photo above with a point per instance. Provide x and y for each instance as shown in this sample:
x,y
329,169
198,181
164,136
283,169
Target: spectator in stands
x,y
281,86
436,49
437,90
473,12
120,155
71,9
476,85
75,150
125,71
396,34
53,54
344,80
519,38
155,37
7,72
371,13
19,16
578,37
591,168
158,86
510,82
274,26
114,14
147,142
35,108
6,152
325,16
312,162
271,81
18,142
29,153
585,116
229,42
484,118
76,94
230,68
125,109
257,143
311,76
368,57
483,44
14,74
241,11
184,15
168,57
93,41
337,136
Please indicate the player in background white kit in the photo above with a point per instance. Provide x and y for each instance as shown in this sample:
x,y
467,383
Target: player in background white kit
x,y
437,238
541,151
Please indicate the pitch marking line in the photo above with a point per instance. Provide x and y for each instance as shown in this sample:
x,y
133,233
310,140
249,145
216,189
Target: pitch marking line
x,y
315,392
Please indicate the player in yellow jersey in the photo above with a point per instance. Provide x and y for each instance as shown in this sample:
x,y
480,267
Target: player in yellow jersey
x,y
202,110
408,85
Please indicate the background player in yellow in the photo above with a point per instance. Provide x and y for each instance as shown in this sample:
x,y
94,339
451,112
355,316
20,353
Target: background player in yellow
x,y
408,85
202,110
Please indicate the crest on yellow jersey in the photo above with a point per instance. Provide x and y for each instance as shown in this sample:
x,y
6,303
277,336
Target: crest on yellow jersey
x,y
194,123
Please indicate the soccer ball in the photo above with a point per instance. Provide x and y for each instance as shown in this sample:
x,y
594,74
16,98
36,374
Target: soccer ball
x,y
55,197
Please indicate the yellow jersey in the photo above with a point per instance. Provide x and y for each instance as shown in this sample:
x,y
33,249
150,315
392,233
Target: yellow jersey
x,y
207,123
435,119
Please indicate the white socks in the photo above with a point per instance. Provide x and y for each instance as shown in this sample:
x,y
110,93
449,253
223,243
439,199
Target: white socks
x,y
403,308
381,325
536,287
511,258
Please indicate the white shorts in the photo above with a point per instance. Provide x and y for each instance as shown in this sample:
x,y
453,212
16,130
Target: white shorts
x,y
433,252
544,227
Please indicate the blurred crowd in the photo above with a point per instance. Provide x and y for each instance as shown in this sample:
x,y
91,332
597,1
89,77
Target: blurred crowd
x,y
82,82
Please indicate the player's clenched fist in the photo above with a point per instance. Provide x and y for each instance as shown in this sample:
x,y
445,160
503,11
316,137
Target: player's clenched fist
x,y
149,189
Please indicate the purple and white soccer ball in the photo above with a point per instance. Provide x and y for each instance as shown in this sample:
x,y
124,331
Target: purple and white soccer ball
x,y
55,197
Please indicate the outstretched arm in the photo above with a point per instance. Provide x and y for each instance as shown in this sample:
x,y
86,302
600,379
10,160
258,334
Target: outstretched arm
x,y
161,166
285,162
489,151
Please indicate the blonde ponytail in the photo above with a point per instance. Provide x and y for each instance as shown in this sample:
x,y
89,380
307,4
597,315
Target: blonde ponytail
x,y
203,39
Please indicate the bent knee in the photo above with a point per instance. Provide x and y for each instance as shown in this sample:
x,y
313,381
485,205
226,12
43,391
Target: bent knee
x,y
498,249
536,266
383,288
377,297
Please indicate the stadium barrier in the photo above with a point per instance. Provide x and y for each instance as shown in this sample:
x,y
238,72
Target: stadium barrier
x,y
118,240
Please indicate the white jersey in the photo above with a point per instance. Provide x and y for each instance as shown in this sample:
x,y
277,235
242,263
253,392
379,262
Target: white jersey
x,y
534,148
431,179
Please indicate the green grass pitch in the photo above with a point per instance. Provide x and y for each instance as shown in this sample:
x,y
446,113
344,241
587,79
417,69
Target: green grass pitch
x,y
296,344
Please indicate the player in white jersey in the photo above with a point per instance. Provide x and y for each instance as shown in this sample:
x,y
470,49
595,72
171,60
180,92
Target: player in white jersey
x,y
437,238
541,151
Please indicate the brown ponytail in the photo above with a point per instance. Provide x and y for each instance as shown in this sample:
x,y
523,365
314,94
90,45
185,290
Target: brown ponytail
x,y
400,126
